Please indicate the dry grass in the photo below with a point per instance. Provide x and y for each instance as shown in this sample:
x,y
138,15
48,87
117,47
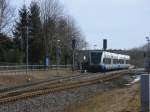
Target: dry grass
x,y
8,80
52,73
119,100
11,79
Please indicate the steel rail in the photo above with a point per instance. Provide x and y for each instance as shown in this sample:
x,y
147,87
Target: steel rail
x,y
27,85
50,81
59,87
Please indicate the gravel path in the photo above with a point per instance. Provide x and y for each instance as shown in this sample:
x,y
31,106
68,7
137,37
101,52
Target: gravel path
x,y
117,100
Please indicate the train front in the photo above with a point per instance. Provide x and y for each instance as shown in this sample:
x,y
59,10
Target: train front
x,y
95,60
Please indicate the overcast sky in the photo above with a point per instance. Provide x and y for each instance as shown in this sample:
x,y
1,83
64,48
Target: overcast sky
x,y
125,23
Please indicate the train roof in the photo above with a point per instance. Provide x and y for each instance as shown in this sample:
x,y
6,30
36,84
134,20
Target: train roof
x,y
115,55
109,54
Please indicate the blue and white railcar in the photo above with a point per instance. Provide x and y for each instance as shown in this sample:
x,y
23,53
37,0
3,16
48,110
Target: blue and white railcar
x,y
106,61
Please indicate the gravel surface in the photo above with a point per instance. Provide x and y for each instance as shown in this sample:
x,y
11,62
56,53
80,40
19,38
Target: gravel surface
x,y
69,101
117,100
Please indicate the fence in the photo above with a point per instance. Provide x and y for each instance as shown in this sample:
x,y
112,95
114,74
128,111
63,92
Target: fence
x,y
24,68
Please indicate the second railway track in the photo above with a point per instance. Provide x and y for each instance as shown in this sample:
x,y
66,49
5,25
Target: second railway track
x,y
59,84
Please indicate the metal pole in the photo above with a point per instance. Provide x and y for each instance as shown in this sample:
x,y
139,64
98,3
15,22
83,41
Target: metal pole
x,y
27,47
73,59
148,44
57,56
148,53
57,53
73,54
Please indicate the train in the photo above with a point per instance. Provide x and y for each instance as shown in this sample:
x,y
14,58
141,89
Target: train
x,y
103,61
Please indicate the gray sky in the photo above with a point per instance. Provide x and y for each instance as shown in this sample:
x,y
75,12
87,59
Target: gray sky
x,y
125,23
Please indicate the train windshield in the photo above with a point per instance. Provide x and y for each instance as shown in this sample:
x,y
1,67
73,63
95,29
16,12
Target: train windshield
x,y
95,57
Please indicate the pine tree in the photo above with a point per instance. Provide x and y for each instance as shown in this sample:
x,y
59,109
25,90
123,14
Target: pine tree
x,y
36,50
20,33
6,46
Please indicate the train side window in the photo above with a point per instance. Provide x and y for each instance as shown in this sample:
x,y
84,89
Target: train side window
x,y
104,60
118,61
115,61
127,61
107,61
121,61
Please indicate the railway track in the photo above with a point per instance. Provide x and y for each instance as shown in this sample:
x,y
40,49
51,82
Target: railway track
x,y
56,85
5,92
27,85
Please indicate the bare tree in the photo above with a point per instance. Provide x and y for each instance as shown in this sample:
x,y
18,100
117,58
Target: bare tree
x,y
51,10
6,14
74,32
59,26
